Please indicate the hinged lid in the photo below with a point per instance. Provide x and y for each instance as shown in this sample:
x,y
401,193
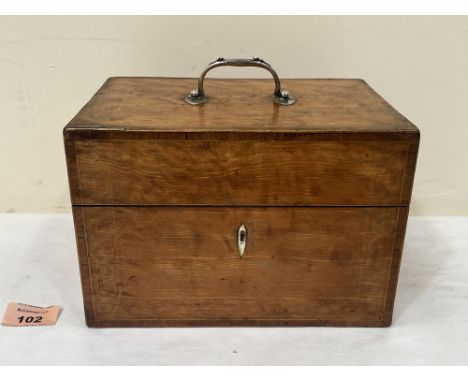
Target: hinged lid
x,y
154,141
239,105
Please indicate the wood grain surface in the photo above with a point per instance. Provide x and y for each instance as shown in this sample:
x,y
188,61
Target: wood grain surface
x,y
240,172
157,104
158,266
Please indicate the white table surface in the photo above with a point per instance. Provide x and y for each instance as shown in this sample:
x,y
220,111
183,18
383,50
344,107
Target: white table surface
x,y
38,266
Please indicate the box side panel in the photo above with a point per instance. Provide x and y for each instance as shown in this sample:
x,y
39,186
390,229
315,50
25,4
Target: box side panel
x,y
84,265
72,167
409,170
394,270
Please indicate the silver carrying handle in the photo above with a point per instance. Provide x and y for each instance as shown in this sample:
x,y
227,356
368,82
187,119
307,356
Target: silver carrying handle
x,y
280,97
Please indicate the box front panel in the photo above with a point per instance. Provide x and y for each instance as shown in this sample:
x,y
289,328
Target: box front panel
x,y
241,172
182,265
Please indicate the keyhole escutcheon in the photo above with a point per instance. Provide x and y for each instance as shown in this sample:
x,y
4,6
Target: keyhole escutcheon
x,y
241,239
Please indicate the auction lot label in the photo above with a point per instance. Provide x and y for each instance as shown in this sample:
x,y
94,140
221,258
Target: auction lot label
x,y
18,314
